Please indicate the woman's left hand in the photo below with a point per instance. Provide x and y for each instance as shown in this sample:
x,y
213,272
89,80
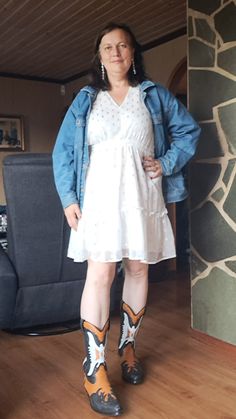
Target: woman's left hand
x,y
153,166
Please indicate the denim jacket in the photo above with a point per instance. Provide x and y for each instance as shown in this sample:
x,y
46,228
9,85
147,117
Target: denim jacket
x,y
175,135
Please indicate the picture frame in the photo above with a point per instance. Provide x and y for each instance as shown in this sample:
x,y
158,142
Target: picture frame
x,y
11,133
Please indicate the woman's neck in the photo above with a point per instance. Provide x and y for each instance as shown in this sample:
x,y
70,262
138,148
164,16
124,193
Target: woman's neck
x,y
118,83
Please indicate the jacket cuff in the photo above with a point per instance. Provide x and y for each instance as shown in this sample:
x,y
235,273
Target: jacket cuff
x,y
69,200
166,169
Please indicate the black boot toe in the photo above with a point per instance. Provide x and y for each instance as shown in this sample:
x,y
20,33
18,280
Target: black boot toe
x,y
132,375
106,406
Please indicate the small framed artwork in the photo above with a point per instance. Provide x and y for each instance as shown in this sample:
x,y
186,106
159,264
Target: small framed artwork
x,y
11,133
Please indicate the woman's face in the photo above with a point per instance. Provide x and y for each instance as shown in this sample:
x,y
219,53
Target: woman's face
x,y
116,52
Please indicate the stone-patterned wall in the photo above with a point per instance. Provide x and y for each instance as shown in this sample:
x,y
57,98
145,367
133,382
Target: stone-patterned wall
x,y
212,100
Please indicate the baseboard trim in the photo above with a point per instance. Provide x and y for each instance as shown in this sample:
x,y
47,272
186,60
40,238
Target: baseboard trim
x,y
220,345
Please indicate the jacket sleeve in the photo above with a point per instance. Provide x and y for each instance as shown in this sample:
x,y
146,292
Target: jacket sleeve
x,y
63,160
183,132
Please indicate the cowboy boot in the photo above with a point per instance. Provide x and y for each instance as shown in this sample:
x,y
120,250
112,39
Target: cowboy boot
x,y
96,383
132,370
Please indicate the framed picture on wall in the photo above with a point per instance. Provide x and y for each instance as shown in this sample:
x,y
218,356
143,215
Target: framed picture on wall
x,y
11,133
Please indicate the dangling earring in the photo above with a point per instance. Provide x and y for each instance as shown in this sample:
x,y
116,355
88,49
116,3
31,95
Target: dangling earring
x,y
103,71
133,65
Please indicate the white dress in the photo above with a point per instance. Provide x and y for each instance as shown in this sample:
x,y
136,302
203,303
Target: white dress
x,y
124,214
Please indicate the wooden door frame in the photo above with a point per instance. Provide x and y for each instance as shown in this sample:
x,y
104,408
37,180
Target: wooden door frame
x,y
173,85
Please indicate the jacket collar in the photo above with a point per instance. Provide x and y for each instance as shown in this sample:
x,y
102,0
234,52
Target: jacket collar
x,y
92,91
146,84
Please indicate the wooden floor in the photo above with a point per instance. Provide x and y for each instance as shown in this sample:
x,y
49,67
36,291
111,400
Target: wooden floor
x,y
187,377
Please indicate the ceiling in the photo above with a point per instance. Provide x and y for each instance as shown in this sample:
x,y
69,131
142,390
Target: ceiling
x,y
53,39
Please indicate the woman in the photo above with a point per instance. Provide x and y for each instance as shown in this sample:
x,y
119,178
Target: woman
x,y
120,136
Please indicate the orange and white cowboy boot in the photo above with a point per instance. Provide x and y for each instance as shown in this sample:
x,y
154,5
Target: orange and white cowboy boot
x,y
132,370
97,386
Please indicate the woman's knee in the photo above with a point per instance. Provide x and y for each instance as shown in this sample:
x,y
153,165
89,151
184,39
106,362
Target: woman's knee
x,y
136,269
101,274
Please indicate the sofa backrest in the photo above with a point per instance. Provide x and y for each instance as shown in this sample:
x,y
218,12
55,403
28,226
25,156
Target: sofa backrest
x,y
38,233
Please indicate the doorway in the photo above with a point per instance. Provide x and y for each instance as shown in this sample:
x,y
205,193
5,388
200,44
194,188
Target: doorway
x,y
179,211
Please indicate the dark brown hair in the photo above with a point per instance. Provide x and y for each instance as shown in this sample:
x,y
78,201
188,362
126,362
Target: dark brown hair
x,y
95,72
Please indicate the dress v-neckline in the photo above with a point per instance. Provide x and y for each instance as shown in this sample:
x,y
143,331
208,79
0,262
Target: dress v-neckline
x,y
119,105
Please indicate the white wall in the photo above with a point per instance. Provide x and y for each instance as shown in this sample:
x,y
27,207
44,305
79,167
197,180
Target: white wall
x,y
161,61
73,88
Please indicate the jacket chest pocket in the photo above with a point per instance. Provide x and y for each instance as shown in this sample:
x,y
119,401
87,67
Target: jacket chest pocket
x,y
80,121
157,118
80,124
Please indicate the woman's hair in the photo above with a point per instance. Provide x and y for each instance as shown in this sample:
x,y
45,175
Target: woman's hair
x,y
95,72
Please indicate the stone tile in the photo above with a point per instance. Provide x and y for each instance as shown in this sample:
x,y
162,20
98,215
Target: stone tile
x,y
190,26
211,235
229,205
202,179
197,266
225,22
228,171
208,89
213,305
218,195
227,60
204,31
231,264
209,144
227,119
207,7
200,55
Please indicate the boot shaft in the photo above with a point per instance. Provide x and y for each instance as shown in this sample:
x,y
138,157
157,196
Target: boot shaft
x,y
129,326
95,342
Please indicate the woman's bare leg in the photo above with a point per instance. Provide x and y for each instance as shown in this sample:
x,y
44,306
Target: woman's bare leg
x,y
95,302
135,288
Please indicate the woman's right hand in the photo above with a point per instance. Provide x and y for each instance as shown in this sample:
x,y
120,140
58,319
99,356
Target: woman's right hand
x,y
73,214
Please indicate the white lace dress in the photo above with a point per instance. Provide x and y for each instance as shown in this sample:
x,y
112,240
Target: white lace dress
x,y
124,214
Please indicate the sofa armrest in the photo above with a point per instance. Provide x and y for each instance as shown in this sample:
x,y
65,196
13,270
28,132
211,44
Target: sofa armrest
x,y
8,289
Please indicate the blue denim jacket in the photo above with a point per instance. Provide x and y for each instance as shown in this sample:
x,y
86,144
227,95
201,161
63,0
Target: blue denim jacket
x,y
175,133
